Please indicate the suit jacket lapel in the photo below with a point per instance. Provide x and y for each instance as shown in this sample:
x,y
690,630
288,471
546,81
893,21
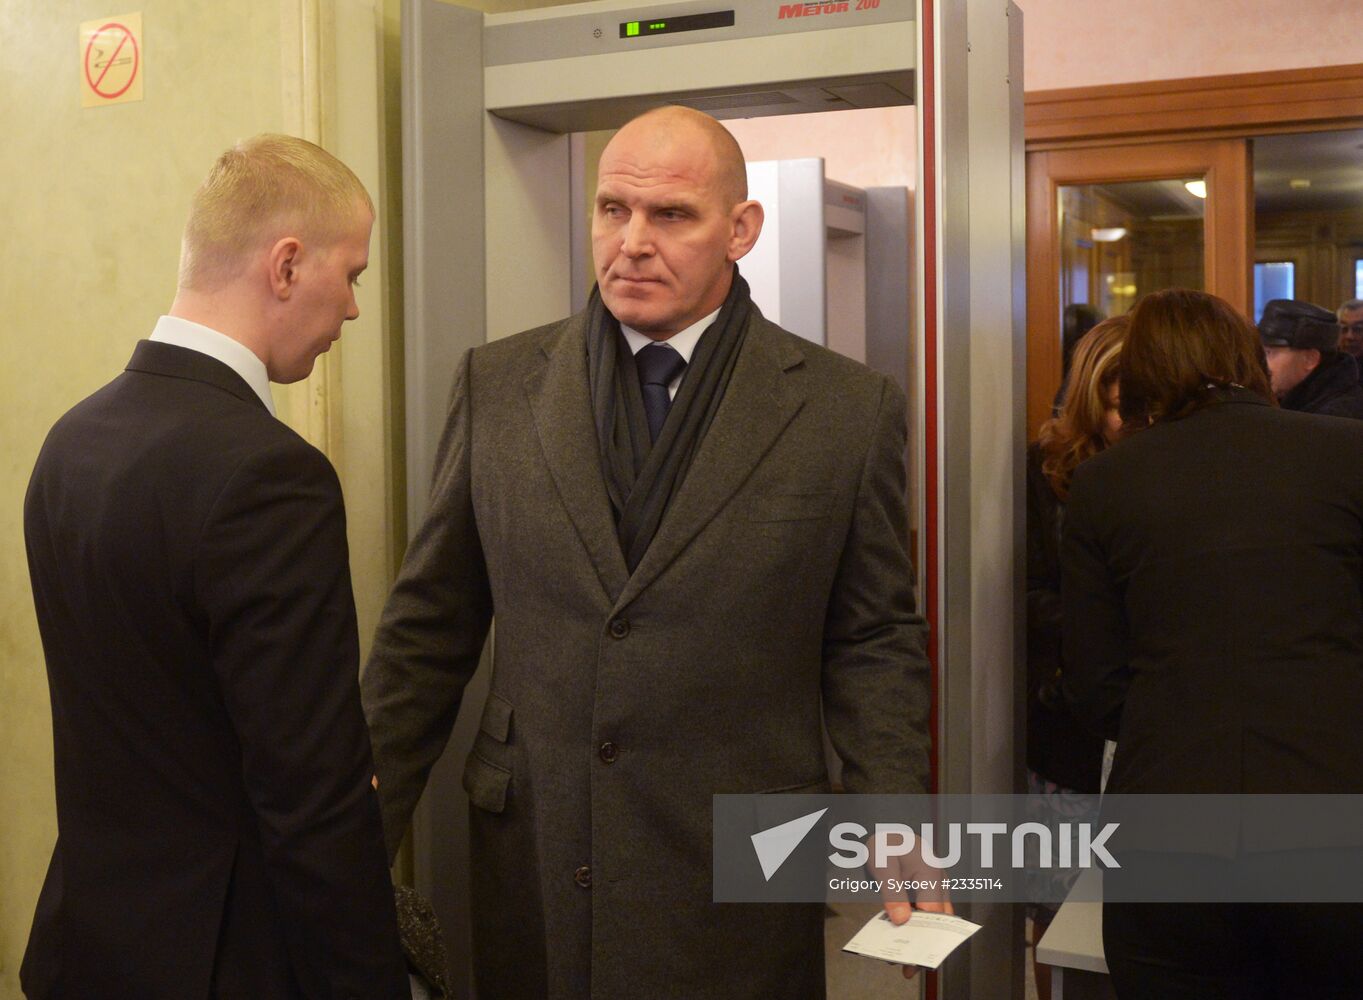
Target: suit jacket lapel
x,y
561,403
758,404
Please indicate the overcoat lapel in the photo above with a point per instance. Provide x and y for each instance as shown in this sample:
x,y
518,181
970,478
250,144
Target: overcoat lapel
x,y
758,404
561,402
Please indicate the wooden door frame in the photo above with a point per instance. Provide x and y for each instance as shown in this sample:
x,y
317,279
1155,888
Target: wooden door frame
x,y
1097,134
1229,227
1323,98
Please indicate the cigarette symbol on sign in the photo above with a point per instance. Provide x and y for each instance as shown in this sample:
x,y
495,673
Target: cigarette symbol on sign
x,y
116,40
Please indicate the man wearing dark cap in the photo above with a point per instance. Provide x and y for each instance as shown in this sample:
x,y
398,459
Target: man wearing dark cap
x,y
1309,371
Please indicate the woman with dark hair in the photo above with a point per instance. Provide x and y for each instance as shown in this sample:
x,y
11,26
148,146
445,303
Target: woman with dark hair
x,y
1064,759
1213,625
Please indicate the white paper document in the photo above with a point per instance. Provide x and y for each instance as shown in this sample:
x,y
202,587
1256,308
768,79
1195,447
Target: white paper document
x,y
926,940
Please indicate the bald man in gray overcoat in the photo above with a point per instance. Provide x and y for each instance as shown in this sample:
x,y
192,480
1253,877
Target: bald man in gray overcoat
x,y
690,526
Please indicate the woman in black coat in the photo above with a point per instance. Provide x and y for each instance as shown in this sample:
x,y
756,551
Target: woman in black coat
x,y
1064,758
1212,568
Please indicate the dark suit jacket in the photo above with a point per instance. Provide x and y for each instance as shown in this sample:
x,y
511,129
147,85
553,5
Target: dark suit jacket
x,y
217,832
777,586
1213,601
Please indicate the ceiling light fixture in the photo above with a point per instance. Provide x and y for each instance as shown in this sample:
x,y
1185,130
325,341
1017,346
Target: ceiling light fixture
x,y
1109,235
1197,188
1299,183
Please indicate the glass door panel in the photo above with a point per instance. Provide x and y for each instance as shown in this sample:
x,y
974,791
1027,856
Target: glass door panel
x,y
1120,241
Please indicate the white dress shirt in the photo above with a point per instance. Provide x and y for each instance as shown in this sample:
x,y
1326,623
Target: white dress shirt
x,y
235,355
683,343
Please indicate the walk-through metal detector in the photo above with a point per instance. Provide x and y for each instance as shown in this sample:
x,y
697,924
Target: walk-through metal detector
x,y
494,243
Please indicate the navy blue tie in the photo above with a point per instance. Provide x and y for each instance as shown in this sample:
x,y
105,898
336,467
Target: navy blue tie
x,y
658,366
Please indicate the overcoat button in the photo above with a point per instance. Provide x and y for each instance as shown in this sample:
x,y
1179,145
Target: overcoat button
x,y
619,628
583,877
609,752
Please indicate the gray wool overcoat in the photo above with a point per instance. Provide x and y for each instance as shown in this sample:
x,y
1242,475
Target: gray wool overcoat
x,y
778,588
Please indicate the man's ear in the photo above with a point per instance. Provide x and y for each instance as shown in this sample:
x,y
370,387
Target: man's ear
x,y
1312,359
283,260
746,222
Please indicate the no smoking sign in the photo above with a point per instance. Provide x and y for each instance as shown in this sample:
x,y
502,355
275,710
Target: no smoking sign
x,y
111,60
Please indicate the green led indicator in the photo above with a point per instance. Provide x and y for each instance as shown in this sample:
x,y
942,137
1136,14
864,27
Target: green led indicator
x,y
692,22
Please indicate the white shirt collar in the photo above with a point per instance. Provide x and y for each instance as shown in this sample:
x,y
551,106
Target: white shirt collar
x,y
683,343
234,354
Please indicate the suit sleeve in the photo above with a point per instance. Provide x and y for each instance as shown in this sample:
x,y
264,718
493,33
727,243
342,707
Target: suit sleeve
x,y
1094,630
432,631
876,671
273,580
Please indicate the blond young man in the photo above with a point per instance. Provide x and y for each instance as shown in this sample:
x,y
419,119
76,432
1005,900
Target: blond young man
x,y
218,833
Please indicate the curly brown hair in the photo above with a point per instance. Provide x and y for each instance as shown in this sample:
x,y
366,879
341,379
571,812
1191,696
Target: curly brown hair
x,y
1077,433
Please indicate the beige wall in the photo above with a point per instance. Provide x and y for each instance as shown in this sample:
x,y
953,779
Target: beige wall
x,y
867,148
93,201
1084,43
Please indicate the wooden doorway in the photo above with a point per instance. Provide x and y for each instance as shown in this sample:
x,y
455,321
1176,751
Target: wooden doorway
x,y
1093,149
1105,226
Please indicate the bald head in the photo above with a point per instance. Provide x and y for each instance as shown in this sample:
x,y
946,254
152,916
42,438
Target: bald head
x,y
672,216
674,124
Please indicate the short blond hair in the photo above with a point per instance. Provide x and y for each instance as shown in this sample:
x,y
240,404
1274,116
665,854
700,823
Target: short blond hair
x,y
257,190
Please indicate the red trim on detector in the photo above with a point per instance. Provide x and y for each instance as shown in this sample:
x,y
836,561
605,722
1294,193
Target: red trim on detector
x,y
931,365
931,381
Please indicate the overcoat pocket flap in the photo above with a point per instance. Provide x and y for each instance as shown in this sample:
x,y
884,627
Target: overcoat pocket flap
x,y
790,506
496,720
486,784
